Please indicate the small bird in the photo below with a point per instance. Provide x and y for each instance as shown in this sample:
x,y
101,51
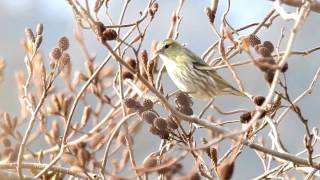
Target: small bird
x,y
191,74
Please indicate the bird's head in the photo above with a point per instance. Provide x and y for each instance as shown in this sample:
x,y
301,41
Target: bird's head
x,y
168,48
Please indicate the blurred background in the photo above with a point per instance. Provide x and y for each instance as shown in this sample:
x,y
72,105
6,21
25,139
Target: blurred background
x,y
58,20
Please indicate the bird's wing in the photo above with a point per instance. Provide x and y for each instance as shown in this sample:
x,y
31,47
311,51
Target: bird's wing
x,y
224,85
203,66
197,62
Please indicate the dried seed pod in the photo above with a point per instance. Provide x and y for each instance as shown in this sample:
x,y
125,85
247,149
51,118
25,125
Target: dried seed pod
x,y
153,9
144,58
177,167
195,176
150,162
89,67
185,110
149,116
86,115
32,99
266,64
154,130
147,104
150,70
63,43
284,67
210,14
52,64
296,109
172,125
259,100
263,51
124,158
214,155
183,99
74,149
81,76
6,126
39,29
254,40
28,45
81,145
76,169
65,58
6,142
160,124
164,134
136,38
245,117
68,158
55,131
56,103
244,44
66,71
14,122
109,35
49,140
131,62
132,103
38,41
268,76
127,75
83,156
256,47
100,27
29,34
225,170
268,45
106,72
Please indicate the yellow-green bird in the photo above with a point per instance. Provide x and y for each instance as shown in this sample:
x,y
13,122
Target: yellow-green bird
x,y
191,74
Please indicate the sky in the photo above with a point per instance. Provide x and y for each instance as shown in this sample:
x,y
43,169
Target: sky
x,y
58,21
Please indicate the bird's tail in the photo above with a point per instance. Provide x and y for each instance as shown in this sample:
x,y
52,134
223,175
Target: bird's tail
x,y
237,92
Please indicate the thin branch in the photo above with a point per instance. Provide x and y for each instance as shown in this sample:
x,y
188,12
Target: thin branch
x,y
53,168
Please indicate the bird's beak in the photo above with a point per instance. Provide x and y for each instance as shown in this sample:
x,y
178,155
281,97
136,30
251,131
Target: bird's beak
x,y
158,51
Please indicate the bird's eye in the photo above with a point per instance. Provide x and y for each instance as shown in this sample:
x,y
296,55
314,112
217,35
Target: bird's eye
x,y
166,46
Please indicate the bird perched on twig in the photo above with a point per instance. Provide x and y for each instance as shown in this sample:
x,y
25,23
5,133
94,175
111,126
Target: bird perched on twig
x,y
191,74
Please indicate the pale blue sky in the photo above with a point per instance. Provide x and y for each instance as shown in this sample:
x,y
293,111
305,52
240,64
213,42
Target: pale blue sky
x,y
58,21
